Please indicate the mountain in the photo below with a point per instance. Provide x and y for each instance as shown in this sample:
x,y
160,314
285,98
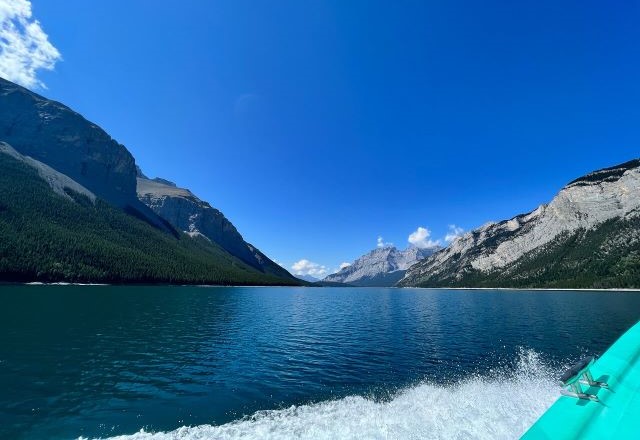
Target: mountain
x,y
58,182
187,213
307,278
69,210
53,134
588,236
382,267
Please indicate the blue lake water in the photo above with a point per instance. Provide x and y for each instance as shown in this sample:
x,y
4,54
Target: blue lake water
x,y
195,362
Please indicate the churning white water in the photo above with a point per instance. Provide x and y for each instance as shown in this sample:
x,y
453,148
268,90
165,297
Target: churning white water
x,y
500,406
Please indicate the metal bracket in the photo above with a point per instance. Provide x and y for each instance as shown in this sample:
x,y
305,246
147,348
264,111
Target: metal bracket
x,y
578,375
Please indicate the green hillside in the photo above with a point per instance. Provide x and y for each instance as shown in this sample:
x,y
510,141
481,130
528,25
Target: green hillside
x,y
46,237
605,257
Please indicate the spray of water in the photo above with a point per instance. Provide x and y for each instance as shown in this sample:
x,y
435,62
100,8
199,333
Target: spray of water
x,y
501,406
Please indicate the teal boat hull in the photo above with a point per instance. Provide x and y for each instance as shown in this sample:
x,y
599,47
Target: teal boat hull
x,y
616,413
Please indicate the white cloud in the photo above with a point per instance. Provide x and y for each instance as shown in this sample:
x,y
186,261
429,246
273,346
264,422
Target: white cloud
x,y
421,238
246,104
306,267
24,47
381,243
339,268
454,232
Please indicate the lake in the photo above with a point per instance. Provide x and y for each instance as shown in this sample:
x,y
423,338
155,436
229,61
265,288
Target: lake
x,y
309,363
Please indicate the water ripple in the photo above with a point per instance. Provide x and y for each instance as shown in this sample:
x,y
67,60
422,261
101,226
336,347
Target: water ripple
x,y
101,361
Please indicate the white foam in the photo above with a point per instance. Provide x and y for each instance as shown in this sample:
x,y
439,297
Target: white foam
x,y
477,408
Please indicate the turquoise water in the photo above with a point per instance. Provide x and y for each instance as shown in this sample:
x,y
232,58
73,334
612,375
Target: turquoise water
x,y
97,361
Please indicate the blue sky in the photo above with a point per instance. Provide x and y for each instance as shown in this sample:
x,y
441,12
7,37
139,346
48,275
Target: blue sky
x,y
317,127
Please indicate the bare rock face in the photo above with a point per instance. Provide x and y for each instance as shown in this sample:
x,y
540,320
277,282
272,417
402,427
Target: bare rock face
x,y
54,134
381,267
186,212
58,182
583,205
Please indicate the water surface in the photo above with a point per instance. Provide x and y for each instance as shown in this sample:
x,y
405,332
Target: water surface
x,y
97,361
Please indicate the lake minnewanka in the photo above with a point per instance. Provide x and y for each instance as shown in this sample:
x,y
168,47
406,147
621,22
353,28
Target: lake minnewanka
x,y
240,362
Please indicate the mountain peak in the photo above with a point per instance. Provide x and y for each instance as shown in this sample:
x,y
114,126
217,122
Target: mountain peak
x,y
164,181
76,157
523,250
610,174
186,212
382,266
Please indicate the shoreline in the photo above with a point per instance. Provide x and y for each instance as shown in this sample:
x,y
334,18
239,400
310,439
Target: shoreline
x,y
518,289
526,289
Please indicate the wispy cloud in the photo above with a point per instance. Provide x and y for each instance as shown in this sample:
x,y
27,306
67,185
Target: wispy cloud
x,y
246,103
24,46
421,238
306,267
382,243
454,232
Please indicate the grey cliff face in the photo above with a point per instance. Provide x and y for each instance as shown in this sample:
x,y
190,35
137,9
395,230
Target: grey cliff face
x,y
584,204
186,212
381,267
58,182
54,134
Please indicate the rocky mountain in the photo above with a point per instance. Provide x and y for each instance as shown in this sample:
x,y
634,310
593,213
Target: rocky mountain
x,y
55,135
59,183
69,209
382,267
587,236
307,278
187,213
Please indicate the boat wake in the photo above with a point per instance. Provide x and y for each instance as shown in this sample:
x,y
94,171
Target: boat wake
x,y
500,406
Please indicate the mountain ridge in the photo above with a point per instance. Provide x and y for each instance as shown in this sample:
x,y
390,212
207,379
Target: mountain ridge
x,y
583,213
193,216
79,161
381,267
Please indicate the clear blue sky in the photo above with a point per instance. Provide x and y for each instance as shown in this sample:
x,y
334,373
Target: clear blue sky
x,y
317,126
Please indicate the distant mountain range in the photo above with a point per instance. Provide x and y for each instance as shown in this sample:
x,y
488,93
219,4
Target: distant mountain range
x,y
75,207
307,278
382,267
588,236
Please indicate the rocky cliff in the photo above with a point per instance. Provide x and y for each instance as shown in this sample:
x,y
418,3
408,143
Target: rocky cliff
x,y
82,164
52,229
186,212
55,135
381,267
582,224
58,182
